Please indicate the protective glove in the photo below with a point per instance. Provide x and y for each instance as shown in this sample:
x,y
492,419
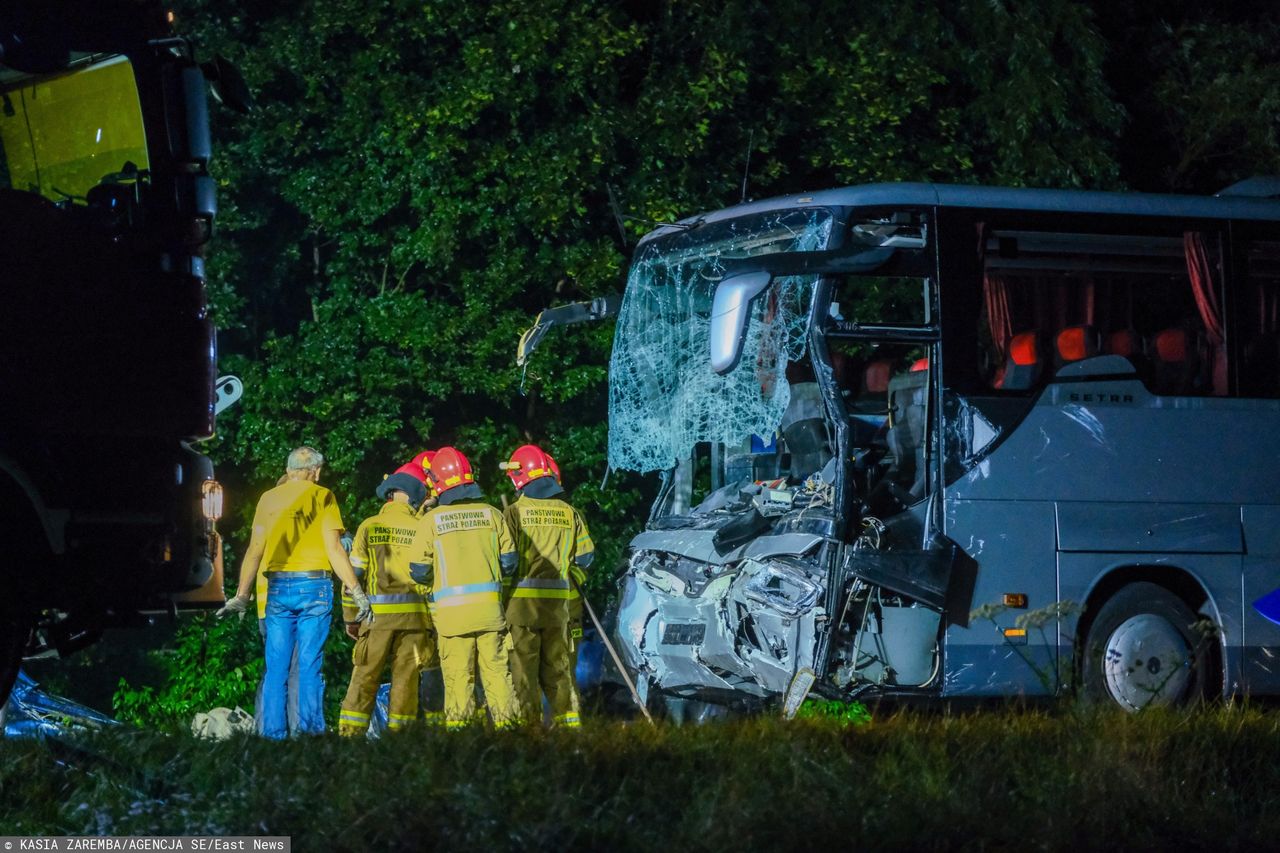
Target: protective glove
x,y
508,563
364,610
237,604
421,573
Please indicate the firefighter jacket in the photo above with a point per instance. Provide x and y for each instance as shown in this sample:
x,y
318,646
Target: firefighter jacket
x,y
552,541
380,556
462,552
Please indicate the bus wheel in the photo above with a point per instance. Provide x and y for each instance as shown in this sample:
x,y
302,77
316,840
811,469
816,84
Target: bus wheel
x,y
1141,651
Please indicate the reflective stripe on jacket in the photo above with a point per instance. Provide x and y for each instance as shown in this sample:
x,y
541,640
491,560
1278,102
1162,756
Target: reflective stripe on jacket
x,y
552,541
542,588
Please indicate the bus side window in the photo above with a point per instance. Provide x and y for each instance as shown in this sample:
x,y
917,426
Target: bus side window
x,y
1055,298
1259,321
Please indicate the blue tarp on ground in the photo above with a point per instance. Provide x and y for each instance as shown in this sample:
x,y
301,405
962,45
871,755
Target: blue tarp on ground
x,y
34,713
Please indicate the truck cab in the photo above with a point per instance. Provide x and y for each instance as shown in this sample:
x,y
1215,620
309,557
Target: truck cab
x,y
107,351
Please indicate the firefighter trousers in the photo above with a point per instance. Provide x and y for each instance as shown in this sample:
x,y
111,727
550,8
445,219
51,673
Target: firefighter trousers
x,y
459,657
409,651
541,663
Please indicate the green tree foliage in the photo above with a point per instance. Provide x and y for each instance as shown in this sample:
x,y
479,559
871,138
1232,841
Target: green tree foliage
x,y
212,663
422,178
1199,81
1220,86
216,663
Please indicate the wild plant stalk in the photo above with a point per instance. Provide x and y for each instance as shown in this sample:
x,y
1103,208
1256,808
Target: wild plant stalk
x,y
1206,631
1051,678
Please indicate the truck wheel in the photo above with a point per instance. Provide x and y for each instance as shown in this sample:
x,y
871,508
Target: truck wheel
x,y
15,629
1141,651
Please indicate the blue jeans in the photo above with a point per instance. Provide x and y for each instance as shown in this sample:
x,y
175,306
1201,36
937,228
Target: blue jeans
x,y
292,703
297,622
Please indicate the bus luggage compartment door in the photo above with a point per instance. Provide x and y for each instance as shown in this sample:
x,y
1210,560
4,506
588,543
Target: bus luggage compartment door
x,y
1013,544
1260,664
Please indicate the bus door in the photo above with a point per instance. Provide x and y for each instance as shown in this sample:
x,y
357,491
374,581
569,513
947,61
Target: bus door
x,y
1007,528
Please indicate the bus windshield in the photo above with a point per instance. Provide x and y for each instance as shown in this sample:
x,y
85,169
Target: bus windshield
x,y
60,135
664,397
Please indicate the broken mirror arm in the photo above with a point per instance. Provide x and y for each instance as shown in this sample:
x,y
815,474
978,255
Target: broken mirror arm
x,y
600,308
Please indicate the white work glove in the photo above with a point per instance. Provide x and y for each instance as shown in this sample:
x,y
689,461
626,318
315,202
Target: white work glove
x,y
238,604
364,610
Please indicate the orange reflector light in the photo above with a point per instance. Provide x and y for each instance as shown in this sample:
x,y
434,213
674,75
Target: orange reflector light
x,y
1018,633
1015,599
1071,344
1022,349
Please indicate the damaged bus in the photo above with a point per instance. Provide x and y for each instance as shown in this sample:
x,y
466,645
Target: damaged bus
x,y
953,441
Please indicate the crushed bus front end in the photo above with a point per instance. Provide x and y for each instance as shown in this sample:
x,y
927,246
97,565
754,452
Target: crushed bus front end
x,y
813,560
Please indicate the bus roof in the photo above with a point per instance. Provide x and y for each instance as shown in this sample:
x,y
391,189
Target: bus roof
x,y
1006,198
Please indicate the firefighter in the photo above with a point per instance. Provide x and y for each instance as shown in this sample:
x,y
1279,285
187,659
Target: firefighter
x,y
296,539
575,612
464,551
553,542
431,683
402,632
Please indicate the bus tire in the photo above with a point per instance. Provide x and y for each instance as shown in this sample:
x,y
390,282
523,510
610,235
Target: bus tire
x,y
1142,651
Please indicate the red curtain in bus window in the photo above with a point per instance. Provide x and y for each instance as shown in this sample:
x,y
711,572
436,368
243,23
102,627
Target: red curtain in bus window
x,y
996,292
1202,285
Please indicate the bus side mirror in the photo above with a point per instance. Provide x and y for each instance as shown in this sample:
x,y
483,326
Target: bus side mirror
x,y
730,311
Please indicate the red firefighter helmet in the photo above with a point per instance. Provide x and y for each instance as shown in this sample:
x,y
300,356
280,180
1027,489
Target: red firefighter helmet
x,y
410,479
417,472
527,463
449,468
423,461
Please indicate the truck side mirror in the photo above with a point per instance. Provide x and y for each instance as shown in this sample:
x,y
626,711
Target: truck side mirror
x,y
228,84
730,311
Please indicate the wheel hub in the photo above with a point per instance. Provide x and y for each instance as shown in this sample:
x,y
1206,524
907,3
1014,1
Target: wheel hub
x,y
1147,662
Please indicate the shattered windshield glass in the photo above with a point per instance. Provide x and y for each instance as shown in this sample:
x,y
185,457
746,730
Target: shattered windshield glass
x,y
663,395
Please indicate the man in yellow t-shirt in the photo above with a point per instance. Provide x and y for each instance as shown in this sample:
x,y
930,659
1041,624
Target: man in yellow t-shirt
x,y
291,704
464,550
555,550
296,540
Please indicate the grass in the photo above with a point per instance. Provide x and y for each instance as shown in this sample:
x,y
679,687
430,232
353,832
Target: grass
x,y
1005,780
